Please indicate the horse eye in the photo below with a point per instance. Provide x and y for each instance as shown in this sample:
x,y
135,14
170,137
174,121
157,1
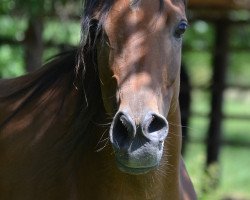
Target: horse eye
x,y
181,28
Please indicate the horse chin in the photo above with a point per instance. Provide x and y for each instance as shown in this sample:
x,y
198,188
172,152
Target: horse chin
x,y
135,170
141,160
136,164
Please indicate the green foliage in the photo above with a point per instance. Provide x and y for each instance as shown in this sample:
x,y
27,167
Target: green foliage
x,y
199,65
198,52
12,27
239,37
11,61
239,68
200,36
32,7
57,30
6,6
62,32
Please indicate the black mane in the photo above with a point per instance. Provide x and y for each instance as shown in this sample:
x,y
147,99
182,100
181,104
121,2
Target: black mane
x,y
88,22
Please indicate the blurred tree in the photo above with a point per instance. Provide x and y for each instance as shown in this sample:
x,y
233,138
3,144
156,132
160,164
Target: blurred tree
x,y
35,12
220,66
33,44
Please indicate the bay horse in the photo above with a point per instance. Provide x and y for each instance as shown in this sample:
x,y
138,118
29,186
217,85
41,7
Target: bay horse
x,y
92,123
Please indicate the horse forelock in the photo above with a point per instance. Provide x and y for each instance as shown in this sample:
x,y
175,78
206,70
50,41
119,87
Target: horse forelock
x,y
91,7
102,7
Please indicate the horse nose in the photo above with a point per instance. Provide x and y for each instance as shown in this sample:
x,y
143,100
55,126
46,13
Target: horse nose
x,y
124,129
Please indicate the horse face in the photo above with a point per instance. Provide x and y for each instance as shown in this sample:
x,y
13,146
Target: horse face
x,y
140,80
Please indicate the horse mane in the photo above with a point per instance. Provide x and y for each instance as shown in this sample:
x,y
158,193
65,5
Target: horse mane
x,y
57,75
44,77
55,107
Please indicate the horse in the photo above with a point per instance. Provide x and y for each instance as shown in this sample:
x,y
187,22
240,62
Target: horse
x,y
102,121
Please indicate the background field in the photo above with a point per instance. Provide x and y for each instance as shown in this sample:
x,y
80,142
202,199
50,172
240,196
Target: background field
x,y
233,169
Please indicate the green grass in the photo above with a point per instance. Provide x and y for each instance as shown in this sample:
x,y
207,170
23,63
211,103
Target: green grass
x,y
234,164
234,178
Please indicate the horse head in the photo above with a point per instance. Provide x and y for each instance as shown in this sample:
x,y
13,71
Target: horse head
x,y
139,65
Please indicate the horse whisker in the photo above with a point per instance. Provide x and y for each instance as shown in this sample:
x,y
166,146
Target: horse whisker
x,y
105,145
100,140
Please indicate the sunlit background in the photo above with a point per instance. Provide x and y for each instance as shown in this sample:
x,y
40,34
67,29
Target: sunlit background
x,y
58,24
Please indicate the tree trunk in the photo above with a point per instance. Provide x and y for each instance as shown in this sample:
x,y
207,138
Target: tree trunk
x,y
220,64
33,44
185,105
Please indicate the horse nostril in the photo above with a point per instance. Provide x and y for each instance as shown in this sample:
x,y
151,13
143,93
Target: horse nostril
x,y
126,123
122,130
156,124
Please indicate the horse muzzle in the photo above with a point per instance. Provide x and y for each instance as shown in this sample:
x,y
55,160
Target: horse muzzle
x,y
138,144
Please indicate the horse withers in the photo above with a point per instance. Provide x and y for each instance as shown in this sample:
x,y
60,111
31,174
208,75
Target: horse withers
x,y
55,123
